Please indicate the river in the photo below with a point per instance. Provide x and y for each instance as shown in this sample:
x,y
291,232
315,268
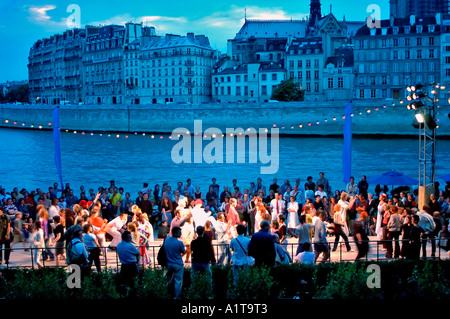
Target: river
x,y
93,160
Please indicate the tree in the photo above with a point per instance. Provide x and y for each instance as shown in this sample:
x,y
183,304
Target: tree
x,y
288,90
19,93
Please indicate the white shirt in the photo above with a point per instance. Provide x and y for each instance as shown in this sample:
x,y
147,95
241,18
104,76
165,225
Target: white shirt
x,y
116,223
293,220
281,207
53,211
306,257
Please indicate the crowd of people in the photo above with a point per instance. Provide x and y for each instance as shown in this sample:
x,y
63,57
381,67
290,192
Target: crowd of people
x,y
250,224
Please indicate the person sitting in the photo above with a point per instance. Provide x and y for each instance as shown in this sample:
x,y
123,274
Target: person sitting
x,y
306,256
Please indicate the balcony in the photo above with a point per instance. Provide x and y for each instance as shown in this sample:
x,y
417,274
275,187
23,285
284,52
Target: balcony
x,y
189,73
189,84
189,63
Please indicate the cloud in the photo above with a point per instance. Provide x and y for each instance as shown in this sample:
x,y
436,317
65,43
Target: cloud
x,y
39,15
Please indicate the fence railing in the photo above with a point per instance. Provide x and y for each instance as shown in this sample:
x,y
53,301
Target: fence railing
x,y
110,259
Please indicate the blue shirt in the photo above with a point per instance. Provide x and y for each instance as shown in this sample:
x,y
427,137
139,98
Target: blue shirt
x,y
128,253
239,255
174,249
89,241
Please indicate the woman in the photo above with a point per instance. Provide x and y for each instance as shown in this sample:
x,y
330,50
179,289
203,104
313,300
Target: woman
x,y
187,236
339,224
259,216
233,218
382,207
98,226
92,246
166,210
46,228
59,239
292,209
282,232
225,204
198,194
406,230
393,233
360,236
303,233
37,242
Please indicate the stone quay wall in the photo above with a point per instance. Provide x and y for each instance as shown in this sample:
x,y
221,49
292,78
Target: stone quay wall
x,y
374,117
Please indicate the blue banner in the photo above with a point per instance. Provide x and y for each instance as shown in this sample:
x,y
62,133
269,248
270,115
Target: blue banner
x,y
347,150
57,142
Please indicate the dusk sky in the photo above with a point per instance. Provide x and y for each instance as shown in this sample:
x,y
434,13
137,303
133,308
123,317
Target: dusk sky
x,y
24,22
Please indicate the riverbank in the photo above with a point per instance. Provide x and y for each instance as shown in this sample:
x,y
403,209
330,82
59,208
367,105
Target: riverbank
x,y
370,118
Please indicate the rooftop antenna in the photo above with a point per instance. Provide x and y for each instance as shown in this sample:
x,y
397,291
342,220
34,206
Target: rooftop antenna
x,y
245,13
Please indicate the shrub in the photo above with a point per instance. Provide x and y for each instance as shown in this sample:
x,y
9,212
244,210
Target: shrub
x,y
253,283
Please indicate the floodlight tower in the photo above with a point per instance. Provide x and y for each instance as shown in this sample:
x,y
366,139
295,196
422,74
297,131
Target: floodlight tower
x,y
423,101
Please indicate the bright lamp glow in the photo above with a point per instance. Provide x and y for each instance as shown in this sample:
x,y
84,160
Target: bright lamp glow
x,y
420,118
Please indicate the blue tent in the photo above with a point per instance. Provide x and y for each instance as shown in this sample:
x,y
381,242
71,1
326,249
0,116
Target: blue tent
x,y
392,178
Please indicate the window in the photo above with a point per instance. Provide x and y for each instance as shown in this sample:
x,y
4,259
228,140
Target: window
x,y
238,90
407,54
447,59
395,55
308,87
340,82
308,63
316,75
361,94
291,64
299,63
316,86
431,41
406,42
316,63
300,74
373,93
330,83
264,90
431,53
419,54
274,76
238,78
419,41
263,77
395,42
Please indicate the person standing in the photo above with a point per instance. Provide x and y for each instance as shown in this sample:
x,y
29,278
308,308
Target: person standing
x,y
293,220
129,258
261,246
360,235
239,247
415,238
222,234
202,254
5,231
175,251
393,235
339,224
320,238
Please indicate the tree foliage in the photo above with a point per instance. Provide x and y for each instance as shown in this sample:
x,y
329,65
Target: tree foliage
x,y
288,90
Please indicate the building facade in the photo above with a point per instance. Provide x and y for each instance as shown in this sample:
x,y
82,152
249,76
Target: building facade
x,y
400,53
177,69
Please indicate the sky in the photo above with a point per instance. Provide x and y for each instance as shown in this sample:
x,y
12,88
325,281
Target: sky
x,y
24,22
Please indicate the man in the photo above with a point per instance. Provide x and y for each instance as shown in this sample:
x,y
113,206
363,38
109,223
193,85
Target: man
x,y
320,191
352,188
360,235
115,196
415,238
175,268
274,187
129,258
211,199
54,208
277,205
320,238
306,256
114,228
428,225
324,182
318,204
434,204
285,186
190,188
215,186
239,247
261,246
309,185
202,253
5,230
222,236
177,221
146,207
224,194
77,253
363,186
260,186
71,199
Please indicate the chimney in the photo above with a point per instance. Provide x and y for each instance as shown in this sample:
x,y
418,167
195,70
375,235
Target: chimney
x,y
438,18
190,35
412,19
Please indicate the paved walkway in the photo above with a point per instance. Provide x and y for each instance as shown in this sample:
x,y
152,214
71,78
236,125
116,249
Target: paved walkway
x,y
21,258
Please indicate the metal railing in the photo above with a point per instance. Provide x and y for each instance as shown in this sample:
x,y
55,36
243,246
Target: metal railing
x,y
110,260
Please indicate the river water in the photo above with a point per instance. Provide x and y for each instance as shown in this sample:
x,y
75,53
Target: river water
x,y
27,161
